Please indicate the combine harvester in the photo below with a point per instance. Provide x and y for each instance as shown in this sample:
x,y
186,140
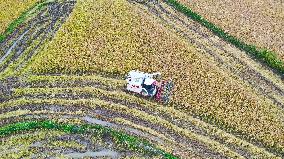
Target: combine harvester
x,y
146,85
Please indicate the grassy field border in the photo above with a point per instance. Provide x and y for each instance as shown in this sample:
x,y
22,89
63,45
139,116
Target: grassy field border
x,y
131,142
270,58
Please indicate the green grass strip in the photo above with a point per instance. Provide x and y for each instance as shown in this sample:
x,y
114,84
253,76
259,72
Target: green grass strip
x,y
268,57
14,24
130,142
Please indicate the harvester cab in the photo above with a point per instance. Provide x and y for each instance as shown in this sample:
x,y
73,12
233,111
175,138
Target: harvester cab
x,y
147,85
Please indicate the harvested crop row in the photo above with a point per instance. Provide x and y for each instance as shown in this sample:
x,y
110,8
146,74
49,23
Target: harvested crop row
x,y
12,68
38,29
95,103
24,16
89,92
65,81
202,88
187,153
82,116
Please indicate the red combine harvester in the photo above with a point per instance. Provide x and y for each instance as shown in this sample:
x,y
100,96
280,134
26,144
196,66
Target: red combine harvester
x,y
146,85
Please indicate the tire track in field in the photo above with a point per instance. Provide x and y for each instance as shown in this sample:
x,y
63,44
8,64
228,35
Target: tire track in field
x,y
227,57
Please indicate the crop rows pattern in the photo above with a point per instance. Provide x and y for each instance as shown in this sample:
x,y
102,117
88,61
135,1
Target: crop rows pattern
x,y
100,40
47,110
114,108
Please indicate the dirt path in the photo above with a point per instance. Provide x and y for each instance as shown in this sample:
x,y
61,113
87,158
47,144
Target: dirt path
x,y
228,58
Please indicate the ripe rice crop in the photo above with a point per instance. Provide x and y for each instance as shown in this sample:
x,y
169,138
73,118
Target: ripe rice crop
x,y
255,22
268,57
95,40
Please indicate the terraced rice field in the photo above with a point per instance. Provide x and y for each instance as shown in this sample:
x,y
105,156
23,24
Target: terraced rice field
x,y
62,92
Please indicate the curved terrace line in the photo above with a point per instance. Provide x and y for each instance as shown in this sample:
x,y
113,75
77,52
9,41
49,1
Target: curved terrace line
x,y
130,142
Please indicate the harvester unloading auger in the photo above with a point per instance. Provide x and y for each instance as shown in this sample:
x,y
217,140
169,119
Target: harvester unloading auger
x,y
146,85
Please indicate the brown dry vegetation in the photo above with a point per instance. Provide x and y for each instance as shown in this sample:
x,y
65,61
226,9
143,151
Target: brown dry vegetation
x,y
114,37
12,9
257,22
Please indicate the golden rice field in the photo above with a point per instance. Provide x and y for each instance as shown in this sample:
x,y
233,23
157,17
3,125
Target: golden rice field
x,y
256,22
117,43
62,87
